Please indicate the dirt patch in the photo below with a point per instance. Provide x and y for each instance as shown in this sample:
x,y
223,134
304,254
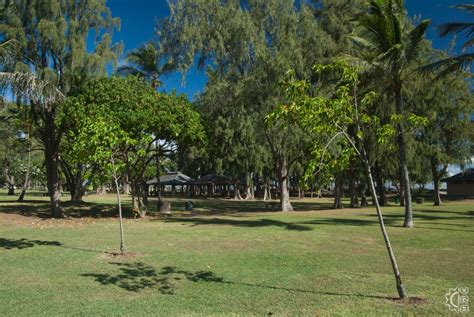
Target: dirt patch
x,y
412,300
113,255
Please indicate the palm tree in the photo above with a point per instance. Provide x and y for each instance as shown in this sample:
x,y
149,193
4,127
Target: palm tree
x,y
389,46
463,61
144,62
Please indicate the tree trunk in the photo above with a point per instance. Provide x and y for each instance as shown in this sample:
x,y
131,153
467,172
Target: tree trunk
x,y
158,183
265,192
393,261
101,190
237,195
436,180
353,190
380,185
144,199
248,187
51,144
79,186
126,184
285,204
11,190
27,177
10,182
401,193
338,192
119,203
362,192
408,222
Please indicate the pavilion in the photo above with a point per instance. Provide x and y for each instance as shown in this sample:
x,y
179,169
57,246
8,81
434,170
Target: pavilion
x,y
212,185
170,182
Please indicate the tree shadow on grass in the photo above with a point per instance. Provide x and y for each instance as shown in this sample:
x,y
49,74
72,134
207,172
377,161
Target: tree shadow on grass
x,y
42,209
137,276
219,206
23,243
392,221
194,221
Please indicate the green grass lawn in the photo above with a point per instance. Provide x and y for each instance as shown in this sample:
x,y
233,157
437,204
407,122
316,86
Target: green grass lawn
x,y
230,257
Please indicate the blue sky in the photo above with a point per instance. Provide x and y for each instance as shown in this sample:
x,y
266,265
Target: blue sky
x,y
138,20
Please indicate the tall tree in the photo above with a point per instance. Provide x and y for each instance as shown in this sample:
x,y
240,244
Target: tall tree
x,y
390,44
142,116
447,139
249,45
52,44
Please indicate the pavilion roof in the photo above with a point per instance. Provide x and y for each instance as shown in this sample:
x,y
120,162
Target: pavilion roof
x,y
172,178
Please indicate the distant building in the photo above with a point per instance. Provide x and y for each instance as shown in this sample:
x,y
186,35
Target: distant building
x,y
461,184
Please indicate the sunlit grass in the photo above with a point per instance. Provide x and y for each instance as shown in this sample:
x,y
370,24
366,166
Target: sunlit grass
x,y
229,257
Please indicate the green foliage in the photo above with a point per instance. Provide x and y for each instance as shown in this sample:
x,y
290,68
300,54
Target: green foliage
x,y
341,118
120,118
52,39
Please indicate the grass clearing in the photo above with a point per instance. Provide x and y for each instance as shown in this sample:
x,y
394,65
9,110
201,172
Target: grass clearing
x,y
228,257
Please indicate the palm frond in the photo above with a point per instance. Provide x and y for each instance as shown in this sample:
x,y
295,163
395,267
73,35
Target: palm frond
x,y
467,7
468,43
449,65
146,57
363,42
129,70
464,28
415,37
27,85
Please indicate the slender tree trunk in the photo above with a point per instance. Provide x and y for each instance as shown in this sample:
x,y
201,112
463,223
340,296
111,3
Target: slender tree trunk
x,y
119,203
393,261
285,204
408,222
27,177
